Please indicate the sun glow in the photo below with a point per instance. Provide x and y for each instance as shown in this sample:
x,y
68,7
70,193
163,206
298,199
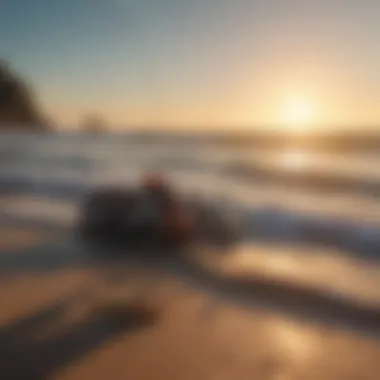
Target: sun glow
x,y
298,114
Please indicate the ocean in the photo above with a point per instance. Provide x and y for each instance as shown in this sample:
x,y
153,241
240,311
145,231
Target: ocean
x,y
313,215
64,167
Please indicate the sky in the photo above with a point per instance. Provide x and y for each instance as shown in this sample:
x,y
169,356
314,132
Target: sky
x,y
295,65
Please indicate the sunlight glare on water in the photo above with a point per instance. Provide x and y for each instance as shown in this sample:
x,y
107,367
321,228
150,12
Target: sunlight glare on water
x,y
295,160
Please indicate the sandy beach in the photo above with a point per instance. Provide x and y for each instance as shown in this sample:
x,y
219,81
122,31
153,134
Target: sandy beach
x,y
53,325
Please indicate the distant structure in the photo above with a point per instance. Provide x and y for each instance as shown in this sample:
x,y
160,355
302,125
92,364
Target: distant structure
x,y
18,108
93,124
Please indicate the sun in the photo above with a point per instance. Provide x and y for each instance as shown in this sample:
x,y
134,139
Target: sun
x,y
298,113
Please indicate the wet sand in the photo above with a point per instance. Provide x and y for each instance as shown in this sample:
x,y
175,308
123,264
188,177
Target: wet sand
x,y
323,269
53,324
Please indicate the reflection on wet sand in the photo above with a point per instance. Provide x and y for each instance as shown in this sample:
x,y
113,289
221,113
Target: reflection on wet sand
x,y
60,316
324,269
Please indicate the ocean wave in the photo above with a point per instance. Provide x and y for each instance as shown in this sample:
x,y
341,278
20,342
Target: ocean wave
x,y
278,204
308,180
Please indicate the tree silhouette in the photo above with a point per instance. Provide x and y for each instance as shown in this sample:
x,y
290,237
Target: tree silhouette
x,y
18,108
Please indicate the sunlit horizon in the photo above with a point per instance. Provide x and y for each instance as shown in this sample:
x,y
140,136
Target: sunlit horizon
x,y
289,66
